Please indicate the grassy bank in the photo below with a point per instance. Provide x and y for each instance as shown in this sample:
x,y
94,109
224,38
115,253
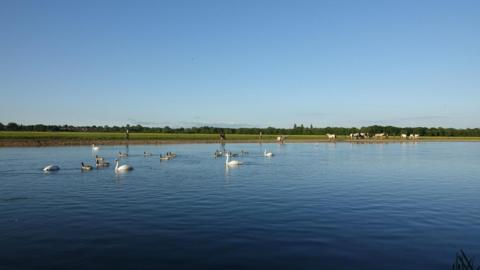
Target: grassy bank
x,y
89,136
22,138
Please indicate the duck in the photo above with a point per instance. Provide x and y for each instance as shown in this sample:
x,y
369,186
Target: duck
x,y
51,168
232,154
122,168
120,154
166,157
146,154
86,167
217,154
102,163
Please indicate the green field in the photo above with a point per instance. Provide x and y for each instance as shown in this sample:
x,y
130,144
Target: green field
x,y
108,136
91,136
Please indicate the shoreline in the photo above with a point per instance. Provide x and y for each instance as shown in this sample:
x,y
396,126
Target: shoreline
x,y
73,142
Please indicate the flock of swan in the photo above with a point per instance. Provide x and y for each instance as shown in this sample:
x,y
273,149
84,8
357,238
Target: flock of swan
x,y
100,161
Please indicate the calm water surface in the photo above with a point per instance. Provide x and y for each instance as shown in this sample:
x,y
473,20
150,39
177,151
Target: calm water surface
x,y
312,206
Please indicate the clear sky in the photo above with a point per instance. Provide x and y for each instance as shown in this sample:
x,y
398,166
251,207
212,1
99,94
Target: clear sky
x,y
240,63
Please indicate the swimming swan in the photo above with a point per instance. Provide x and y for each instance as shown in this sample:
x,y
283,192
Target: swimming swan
x,y
123,168
95,148
51,168
229,162
267,154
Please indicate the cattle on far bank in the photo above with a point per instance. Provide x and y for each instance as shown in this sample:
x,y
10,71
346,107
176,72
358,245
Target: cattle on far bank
x,y
331,137
357,136
382,135
414,136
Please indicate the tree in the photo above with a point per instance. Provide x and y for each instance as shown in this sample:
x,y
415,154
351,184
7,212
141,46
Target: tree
x,y
12,126
40,128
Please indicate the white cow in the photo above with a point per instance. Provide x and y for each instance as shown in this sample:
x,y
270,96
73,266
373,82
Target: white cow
x,y
414,136
403,136
380,135
331,136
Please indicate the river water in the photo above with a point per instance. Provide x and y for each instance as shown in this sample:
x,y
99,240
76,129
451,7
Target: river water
x,y
311,206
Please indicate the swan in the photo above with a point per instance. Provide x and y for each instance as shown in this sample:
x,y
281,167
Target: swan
x,y
229,162
95,148
86,167
51,168
123,168
267,154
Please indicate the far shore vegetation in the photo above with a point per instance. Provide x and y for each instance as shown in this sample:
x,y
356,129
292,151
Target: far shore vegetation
x,y
13,134
114,132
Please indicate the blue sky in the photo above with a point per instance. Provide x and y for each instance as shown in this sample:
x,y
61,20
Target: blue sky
x,y
240,63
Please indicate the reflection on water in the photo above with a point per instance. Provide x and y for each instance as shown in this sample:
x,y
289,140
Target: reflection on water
x,y
317,206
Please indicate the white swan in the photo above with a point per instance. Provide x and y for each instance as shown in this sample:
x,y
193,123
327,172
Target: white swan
x,y
123,168
229,162
95,148
267,154
86,167
51,168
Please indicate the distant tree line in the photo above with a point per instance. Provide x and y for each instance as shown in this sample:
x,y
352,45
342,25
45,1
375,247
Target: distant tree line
x,y
295,130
